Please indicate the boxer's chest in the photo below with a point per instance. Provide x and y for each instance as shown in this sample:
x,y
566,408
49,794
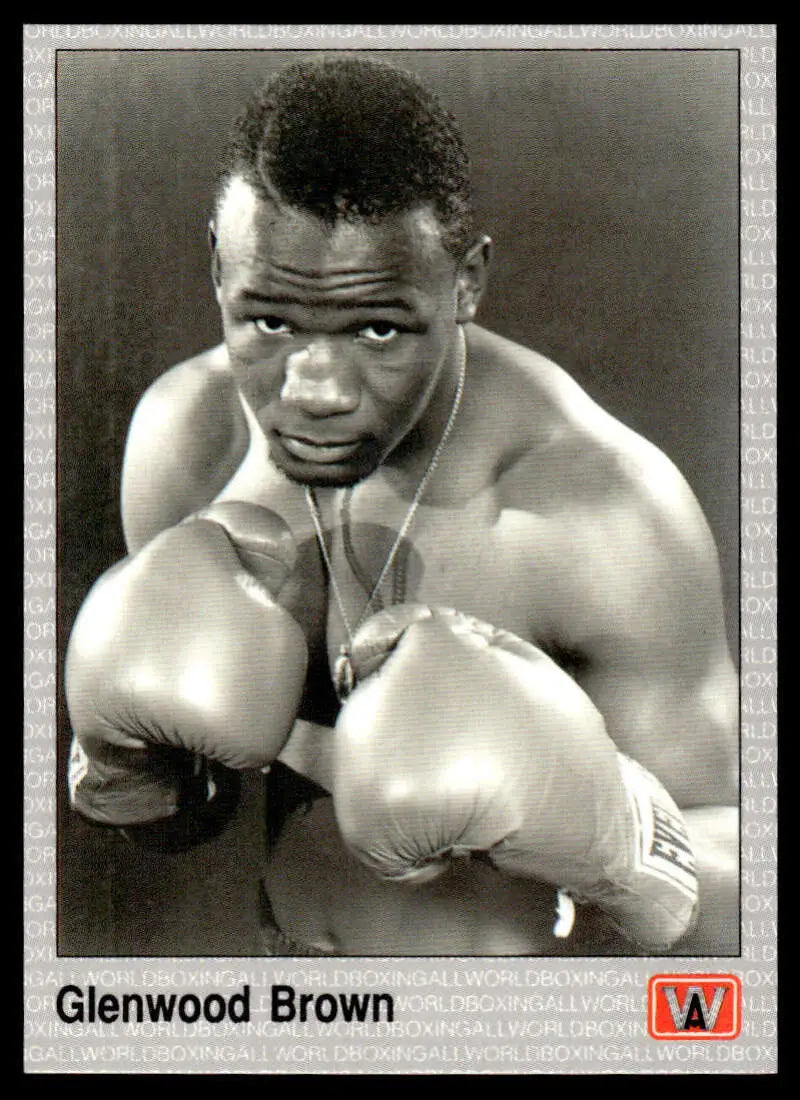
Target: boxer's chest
x,y
502,565
511,566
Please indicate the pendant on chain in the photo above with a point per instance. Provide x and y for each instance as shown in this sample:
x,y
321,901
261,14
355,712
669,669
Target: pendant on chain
x,y
344,676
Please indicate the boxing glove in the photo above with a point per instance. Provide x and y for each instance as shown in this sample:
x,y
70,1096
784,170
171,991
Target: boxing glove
x,y
182,664
460,738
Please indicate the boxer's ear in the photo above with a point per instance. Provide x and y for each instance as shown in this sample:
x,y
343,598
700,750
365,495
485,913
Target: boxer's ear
x,y
471,279
216,269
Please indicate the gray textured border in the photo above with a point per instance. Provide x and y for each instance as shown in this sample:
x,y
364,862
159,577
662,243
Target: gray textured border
x,y
504,1016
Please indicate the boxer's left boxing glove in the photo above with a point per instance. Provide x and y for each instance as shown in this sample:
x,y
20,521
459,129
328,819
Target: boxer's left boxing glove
x,y
463,738
181,665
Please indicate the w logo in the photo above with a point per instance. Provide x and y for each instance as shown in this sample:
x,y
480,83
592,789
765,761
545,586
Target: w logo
x,y
694,1013
694,1006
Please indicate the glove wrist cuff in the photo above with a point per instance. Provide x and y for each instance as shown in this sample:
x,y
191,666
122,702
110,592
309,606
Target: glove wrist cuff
x,y
649,887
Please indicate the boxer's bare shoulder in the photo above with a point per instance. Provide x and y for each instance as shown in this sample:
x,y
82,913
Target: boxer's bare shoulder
x,y
187,437
632,575
558,449
563,458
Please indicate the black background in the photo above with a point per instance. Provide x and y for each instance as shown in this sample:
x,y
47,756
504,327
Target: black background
x,y
608,181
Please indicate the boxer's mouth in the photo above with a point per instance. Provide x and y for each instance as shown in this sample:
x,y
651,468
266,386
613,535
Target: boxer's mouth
x,y
322,452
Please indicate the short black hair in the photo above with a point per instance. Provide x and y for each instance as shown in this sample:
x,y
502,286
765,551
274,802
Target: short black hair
x,y
351,138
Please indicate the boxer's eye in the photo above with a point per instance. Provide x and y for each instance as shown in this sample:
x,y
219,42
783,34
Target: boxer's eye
x,y
379,332
272,326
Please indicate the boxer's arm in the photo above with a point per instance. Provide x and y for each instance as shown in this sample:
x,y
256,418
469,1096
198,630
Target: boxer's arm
x,y
187,437
714,832
309,751
663,679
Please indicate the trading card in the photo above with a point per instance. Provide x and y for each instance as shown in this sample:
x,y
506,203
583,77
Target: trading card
x,y
400,548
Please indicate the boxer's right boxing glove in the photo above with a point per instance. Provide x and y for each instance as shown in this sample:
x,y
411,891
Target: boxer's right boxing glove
x,y
463,738
182,655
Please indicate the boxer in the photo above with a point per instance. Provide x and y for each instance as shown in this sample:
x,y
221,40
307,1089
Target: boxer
x,y
419,460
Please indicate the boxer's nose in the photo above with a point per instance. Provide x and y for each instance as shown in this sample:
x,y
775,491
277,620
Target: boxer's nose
x,y
320,381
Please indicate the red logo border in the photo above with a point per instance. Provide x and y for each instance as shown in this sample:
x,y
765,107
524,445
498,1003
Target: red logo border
x,y
730,979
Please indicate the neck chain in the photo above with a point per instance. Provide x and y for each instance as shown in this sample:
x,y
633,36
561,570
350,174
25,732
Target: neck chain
x,y
343,668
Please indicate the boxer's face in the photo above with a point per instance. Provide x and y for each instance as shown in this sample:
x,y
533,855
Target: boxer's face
x,y
337,335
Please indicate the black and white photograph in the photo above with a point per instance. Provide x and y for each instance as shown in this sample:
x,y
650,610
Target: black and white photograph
x,y
399,441
391,442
